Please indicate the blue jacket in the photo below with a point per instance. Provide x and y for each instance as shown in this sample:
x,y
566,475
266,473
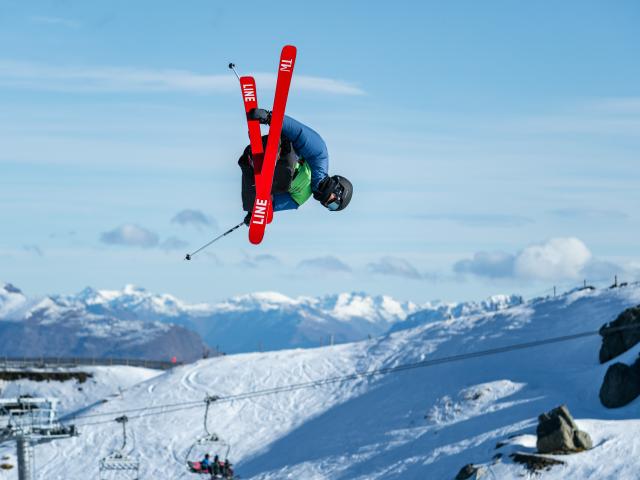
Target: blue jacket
x,y
310,146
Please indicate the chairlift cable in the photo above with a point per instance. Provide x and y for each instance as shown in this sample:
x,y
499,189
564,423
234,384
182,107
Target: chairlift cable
x,y
177,407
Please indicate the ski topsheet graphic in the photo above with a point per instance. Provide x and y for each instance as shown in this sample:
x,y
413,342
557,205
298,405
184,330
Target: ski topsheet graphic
x,y
250,98
264,180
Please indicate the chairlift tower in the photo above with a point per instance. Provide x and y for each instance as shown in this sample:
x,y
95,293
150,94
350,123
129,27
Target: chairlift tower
x,y
30,421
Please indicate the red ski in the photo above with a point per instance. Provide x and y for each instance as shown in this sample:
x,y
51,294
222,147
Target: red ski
x,y
250,98
264,181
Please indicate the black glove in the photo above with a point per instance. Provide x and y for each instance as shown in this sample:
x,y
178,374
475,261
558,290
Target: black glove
x,y
247,219
260,114
325,189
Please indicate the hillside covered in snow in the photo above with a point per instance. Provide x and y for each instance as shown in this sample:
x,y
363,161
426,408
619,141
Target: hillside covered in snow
x,y
411,424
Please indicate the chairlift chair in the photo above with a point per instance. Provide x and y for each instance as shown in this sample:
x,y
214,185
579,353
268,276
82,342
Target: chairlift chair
x,y
120,464
207,443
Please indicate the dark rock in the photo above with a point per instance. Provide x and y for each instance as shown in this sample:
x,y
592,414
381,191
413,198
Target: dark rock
x,y
582,440
558,433
535,463
466,472
44,376
621,385
636,365
559,438
615,342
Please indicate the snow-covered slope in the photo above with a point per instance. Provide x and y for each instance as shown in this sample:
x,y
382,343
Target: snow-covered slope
x,y
415,424
104,383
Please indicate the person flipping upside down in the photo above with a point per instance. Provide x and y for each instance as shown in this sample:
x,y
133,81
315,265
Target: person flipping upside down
x,y
301,170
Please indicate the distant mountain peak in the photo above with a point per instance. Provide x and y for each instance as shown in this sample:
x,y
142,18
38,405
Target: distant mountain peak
x,y
130,289
10,288
12,301
436,311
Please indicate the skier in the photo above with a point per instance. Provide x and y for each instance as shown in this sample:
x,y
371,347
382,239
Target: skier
x,y
301,170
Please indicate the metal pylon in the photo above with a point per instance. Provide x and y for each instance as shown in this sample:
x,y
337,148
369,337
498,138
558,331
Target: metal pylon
x,y
26,458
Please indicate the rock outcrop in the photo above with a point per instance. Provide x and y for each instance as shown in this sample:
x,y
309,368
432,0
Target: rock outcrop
x,y
621,385
469,471
620,335
558,433
535,463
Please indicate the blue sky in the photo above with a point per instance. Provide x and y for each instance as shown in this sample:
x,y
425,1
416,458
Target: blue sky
x,y
493,145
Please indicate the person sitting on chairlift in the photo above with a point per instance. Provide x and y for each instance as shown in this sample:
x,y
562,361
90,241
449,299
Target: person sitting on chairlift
x,y
215,467
227,471
205,464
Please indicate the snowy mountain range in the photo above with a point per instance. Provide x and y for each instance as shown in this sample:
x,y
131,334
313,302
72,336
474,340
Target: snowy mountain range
x,y
444,311
55,327
273,321
253,322
419,423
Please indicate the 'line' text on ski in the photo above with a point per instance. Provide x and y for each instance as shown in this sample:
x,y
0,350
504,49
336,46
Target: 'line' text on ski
x,y
260,211
249,93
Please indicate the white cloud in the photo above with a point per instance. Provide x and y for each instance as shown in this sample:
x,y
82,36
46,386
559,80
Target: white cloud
x,y
173,243
261,260
394,266
618,105
313,84
37,76
564,258
130,235
557,258
488,264
480,219
586,213
56,21
327,263
195,218
35,249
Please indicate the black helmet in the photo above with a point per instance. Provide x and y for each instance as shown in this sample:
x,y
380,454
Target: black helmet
x,y
340,186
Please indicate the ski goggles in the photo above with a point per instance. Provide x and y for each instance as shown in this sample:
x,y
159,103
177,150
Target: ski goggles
x,y
334,204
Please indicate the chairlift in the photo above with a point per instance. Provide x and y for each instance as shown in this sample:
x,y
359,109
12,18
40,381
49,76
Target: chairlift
x,y
119,463
206,444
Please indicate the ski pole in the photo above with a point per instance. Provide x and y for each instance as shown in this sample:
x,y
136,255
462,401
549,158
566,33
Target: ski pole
x,y
232,66
189,255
